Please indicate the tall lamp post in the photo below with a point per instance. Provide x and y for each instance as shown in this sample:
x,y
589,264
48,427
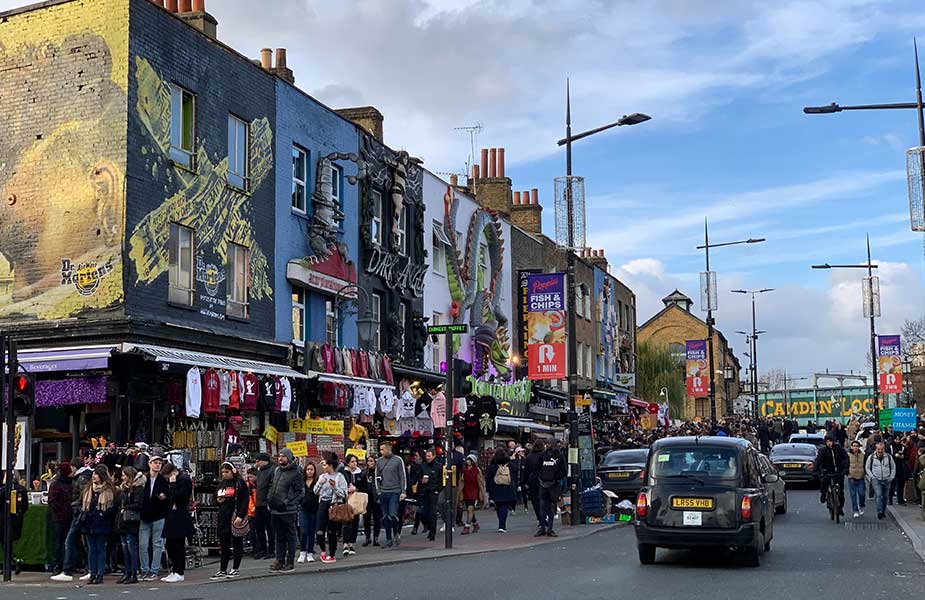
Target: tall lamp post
x,y
708,303
365,321
753,338
572,352
870,287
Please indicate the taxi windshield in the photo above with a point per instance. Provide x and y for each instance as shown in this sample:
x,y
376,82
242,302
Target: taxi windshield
x,y
697,462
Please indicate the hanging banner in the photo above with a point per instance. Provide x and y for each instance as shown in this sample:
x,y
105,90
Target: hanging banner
x,y
546,326
698,376
298,448
890,364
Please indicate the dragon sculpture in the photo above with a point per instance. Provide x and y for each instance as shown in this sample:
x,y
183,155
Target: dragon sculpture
x,y
476,295
324,226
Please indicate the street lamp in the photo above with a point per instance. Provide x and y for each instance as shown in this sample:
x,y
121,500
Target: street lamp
x,y
870,287
572,351
708,302
365,322
753,338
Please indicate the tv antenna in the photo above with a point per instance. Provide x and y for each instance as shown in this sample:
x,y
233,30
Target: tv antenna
x,y
473,131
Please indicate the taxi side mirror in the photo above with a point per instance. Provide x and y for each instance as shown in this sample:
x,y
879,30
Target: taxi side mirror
x,y
771,478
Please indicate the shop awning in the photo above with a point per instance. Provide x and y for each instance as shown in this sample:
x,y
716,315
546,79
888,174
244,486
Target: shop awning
x,y
348,380
78,358
639,403
430,377
524,424
201,359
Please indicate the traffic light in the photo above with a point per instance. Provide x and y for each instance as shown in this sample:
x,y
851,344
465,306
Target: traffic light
x,y
461,371
24,394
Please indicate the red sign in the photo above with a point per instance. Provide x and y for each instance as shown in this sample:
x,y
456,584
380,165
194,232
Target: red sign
x,y
891,383
698,386
547,361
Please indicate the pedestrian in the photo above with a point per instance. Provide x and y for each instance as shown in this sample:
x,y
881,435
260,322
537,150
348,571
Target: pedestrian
x,y
178,526
502,486
881,470
128,517
60,492
897,486
431,484
391,484
153,512
284,500
264,540
308,514
764,436
411,509
856,485
473,492
532,479
551,472
99,505
372,518
233,498
331,489
74,551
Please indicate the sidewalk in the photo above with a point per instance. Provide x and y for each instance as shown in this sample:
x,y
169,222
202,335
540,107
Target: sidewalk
x,y
909,519
521,527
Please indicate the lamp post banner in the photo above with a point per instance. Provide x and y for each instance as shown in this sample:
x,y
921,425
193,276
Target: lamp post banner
x,y
698,376
890,364
546,326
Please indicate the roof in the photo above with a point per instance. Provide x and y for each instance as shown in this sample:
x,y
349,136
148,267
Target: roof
x,y
677,296
691,315
703,440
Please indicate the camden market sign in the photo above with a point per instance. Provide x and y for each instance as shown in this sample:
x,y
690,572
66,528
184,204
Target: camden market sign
x,y
512,398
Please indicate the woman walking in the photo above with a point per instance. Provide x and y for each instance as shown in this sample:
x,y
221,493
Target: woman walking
x,y
233,499
60,496
98,503
131,497
473,492
502,486
308,515
353,474
372,520
179,522
331,488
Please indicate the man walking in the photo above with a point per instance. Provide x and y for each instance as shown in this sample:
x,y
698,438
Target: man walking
x,y
856,484
432,483
264,540
153,512
391,483
881,470
552,471
284,500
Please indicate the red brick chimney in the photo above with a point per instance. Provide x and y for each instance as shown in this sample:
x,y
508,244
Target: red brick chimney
x,y
526,211
492,190
194,13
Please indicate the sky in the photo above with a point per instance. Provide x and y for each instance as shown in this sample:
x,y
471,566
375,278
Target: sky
x,y
724,82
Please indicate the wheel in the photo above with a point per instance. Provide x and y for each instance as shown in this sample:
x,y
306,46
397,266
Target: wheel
x,y
646,554
831,506
752,555
782,509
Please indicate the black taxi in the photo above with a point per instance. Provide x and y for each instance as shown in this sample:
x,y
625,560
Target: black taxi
x,y
704,492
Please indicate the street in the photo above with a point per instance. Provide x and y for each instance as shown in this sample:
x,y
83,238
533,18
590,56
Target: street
x,y
810,555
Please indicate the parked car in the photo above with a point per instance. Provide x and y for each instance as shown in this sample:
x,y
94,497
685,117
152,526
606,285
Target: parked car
x,y
623,471
705,492
778,488
794,462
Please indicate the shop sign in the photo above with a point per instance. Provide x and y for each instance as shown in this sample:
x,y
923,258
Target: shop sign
x,y
513,398
890,364
523,309
358,452
84,276
316,426
582,400
454,328
397,271
547,327
625,379
21,440
904,419
298,448
270,434
698,378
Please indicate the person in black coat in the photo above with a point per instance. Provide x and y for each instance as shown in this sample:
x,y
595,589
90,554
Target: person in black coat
x,y
532,477
60,492
131,497
355,483
503,483
308,514
372,520
233,499
178,525
153,512
99,503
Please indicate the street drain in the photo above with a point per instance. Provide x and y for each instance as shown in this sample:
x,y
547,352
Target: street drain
x,y
851,526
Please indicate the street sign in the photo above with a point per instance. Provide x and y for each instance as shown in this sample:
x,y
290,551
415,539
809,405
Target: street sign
x,y
448,328
904,419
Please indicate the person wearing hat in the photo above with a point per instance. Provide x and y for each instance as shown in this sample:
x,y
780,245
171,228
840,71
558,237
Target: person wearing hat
x,y
155,503
284,500
60,492
473,492
264,540
232,499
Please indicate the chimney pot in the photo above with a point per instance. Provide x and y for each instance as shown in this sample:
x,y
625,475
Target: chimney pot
x,y
500,162
516,197
535,196
186,6
484,167
199,5
493,163
171,6
158,3
475,172
454,180
266,58
280,58
525,197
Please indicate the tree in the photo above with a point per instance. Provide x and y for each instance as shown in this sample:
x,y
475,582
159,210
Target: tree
x,y
656,369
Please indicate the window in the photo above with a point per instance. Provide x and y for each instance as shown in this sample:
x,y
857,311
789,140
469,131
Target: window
x,y
298,316
336,177
439,244
376,310
239,281
237,153
180,261
579,301
331,325
299,178
376,223
589,370
586,299
402,320
182,126
620,312
437,347
402,225
581,361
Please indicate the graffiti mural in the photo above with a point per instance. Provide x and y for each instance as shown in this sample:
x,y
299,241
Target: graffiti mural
x,y
475,289
201,200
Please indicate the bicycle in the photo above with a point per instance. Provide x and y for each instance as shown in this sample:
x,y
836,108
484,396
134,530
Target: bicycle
x,y
833,500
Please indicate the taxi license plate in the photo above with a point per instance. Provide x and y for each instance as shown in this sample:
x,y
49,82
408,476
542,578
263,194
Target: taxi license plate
x,y
618,475
793,466
697,503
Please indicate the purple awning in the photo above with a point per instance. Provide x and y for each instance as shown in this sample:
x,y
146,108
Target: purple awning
x,y
83,358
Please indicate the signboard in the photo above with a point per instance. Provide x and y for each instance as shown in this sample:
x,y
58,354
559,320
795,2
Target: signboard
x,y
886,418
824,404
697,371
270,434
358,452
298,448
20,442
582,400
513,399
648,421
448,328
890,364
904,419
546,325
625,379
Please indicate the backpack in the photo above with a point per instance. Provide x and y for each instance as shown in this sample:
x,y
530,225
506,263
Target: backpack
x,y
503,475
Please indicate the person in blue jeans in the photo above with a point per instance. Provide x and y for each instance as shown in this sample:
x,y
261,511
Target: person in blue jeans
x,y
857,486
881,470
155,503
308,515
130,501
99,506
390,484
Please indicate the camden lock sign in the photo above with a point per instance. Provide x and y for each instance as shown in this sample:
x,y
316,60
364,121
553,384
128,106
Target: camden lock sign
x,y
397,271
512,398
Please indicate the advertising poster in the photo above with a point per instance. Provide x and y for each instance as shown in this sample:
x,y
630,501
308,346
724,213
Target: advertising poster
x,y
697,371
546,326
523,313
890,364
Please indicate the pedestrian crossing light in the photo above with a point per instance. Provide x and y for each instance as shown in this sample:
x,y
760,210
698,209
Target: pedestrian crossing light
x,y
24,394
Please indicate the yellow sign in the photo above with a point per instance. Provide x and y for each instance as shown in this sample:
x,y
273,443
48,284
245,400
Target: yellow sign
x,y
581,400
323,427
648,421
298,425
358,452
270,434
298,448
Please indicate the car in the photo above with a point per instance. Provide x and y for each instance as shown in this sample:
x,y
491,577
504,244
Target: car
x,y
778,488
817,439
704,492
622,471
794,462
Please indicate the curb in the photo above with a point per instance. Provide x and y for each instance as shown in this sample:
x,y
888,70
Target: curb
x,y
346,566
908,530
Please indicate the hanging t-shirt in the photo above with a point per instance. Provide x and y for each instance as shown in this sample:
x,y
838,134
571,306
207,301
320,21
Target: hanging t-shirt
x,y
387,402
234,397
406,404
224,392
488,409
193,393
471,428
251,387
267,400
211,392
438,410
422,405
286,405
460,406
278,394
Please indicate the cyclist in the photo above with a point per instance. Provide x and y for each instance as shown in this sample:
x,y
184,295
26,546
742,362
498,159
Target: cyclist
x,y
831,462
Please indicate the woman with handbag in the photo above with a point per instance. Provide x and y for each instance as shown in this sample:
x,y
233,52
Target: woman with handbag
x,y
131,497
308,514
355,485
331,489
372,518
233,525
99,504
178,525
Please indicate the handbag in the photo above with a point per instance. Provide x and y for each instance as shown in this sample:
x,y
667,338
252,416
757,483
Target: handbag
x,y
130,516
358,501
340,513
241,530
